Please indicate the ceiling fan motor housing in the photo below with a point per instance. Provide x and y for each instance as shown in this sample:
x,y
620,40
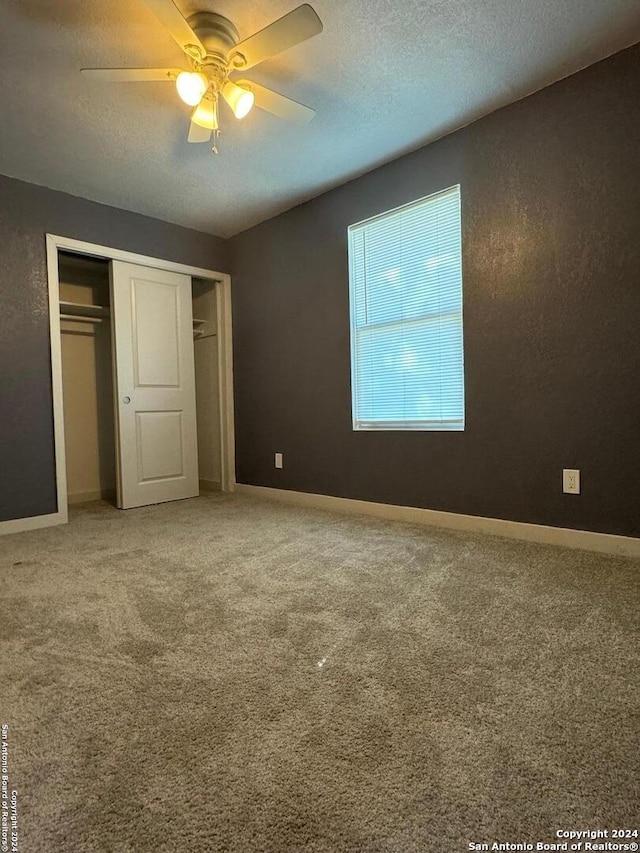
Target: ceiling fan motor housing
x,y
216,33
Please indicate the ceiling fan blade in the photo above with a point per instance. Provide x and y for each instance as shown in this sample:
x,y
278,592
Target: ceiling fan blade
x,y
297,26
131,75
277,104
168,14
198,134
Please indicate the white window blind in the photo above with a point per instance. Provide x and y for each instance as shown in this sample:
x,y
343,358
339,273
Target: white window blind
x,y
405,274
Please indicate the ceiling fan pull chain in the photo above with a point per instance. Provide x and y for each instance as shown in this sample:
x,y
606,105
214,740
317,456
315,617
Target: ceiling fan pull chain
x,y
216,135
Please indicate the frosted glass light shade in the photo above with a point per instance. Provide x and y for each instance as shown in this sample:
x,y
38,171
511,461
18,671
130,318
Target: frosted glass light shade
x,y
206,114
239,99
191,87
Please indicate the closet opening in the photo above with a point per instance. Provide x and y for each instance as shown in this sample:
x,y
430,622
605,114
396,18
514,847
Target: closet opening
x,y
87,379
207,372
93,457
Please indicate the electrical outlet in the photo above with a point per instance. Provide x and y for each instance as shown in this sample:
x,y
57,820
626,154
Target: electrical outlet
x,y
279,462
571,481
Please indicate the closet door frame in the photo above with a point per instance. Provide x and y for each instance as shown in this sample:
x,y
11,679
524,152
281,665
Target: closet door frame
x,y
55,243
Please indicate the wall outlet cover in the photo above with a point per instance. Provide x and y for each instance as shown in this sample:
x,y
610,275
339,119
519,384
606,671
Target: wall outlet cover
x,y
278,460
571,481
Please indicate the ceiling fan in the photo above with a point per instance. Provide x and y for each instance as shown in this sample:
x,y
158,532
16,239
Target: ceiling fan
x,y
211,43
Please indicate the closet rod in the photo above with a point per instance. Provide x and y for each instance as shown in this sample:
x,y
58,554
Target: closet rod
x,y
77,309
76,318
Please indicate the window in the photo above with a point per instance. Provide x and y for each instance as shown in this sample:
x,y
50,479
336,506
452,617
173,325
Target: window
x,y
405,279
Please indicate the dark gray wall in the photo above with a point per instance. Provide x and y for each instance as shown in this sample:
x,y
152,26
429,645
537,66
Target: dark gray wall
x,y
551,224
27,212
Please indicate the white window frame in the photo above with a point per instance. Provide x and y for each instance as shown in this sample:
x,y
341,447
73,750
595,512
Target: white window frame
x,y
390,426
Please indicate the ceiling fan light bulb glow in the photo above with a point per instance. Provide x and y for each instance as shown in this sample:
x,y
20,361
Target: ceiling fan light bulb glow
x,y
206,114
239,99
191,87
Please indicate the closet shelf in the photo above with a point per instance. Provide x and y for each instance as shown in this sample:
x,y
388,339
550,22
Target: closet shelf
x,y
86,312
197,322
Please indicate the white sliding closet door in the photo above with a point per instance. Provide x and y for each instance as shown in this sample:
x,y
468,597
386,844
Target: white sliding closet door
x,y
154,385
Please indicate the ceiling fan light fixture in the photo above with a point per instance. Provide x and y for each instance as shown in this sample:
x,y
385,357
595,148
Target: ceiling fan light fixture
x,y
206,113
210,41
239,99
191,86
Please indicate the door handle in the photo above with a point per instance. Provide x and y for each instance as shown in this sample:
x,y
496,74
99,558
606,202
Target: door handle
x,y
126,399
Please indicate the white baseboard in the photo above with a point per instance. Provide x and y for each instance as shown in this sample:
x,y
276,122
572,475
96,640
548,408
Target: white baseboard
x,y
604,543
34,522
210,485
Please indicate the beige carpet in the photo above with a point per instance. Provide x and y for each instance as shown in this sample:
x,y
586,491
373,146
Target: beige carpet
x,y
226,674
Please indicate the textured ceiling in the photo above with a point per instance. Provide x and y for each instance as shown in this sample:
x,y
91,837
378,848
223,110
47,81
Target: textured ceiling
x,y
384,77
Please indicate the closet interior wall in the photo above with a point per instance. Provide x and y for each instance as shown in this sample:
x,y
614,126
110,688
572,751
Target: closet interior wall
x,y
205,342
87,381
